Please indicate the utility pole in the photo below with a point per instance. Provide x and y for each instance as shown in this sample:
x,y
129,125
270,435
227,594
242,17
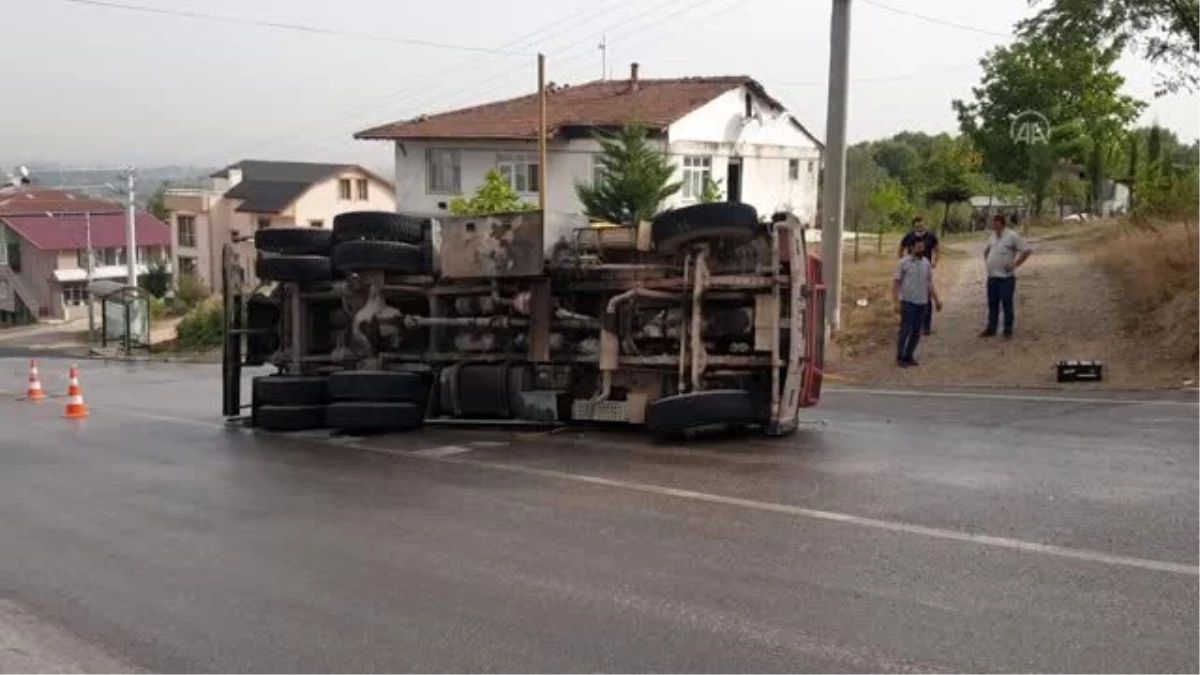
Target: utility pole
x,y
541,65
604,57
130,228
833,197
91,262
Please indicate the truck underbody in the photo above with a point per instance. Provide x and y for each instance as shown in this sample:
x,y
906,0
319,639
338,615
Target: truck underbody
x,y
705,317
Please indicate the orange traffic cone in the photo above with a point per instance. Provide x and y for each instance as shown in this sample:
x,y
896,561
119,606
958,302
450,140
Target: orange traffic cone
x,y
35,392
76,410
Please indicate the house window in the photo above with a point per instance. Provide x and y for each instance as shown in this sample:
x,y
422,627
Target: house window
x,y
597,169
316,223
264,223
81,258
186,227
443,171
520,169
811,165
187,266
108,257
696,173
363,194
344,189
793,169
14,257
75,296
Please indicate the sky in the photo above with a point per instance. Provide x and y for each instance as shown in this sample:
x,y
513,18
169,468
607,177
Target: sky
x,y
90,85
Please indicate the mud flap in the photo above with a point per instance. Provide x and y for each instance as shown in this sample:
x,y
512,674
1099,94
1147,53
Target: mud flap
x,y
814,323
231,352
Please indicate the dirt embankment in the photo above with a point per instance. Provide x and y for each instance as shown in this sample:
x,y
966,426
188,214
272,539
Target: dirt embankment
x,y
1073,302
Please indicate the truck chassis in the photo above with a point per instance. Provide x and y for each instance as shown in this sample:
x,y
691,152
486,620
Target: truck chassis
x,y
705,317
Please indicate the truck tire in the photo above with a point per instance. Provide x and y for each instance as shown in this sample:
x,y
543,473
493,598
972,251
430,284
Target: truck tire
x,y
293,240
289,390
373,416
484,391
289,417
378,226
719,407
377,385
385,256
732,223
300,269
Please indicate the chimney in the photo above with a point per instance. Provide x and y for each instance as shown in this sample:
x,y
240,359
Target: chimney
x,y
633,77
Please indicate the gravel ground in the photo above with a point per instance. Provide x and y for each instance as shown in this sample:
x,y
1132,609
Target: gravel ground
x,y
1066,309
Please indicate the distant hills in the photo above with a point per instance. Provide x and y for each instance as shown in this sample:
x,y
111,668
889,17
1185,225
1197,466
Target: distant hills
x,y
95,181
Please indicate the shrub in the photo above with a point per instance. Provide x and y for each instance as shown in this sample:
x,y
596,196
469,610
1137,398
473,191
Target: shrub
x,y
190,290
203,326
158,309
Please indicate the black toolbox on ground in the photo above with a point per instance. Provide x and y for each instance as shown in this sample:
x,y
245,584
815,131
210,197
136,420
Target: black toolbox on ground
x,y
1080,371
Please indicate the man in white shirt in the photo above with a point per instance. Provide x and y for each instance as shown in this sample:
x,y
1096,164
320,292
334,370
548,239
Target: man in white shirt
x,y
1006,251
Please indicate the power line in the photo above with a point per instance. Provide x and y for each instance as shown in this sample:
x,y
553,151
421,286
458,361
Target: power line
x,y
288,138
933,19
262,23
583,47
880,79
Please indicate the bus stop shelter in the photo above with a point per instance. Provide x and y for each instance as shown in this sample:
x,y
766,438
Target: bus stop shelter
x,y
125,315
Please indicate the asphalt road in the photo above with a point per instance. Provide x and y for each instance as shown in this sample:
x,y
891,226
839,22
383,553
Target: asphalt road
x,y
966,532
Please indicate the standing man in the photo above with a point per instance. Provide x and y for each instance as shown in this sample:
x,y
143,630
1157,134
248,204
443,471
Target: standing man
x,y
931,252
913,293
1006,251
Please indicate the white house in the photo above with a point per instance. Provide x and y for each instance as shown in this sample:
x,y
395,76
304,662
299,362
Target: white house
x,y
726,128
253,194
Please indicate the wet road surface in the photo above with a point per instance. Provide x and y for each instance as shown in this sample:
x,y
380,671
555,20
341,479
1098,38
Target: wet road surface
x,y
964,532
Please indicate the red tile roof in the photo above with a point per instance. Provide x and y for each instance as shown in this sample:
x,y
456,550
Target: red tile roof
x,y
608,103
36,200
69,232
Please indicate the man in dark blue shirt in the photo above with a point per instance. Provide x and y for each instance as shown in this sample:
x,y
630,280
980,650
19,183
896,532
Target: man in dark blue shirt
x,y
919,232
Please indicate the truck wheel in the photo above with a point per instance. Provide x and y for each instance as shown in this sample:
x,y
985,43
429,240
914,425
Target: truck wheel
x,y
378,226
300,269
363,416
719,407
386,256
293,240
732,223
289,390
289,417
377,385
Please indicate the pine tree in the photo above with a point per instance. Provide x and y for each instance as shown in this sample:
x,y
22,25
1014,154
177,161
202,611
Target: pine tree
x,y
635,179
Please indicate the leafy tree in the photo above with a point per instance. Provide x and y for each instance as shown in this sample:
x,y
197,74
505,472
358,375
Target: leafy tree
x,y
890,205
635,179
496,195
1067,191
190,290
1071,82
157,206
711,192
951,173
157,280
1166,31
863,176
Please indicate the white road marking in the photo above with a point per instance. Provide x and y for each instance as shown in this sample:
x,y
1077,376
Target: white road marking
x,y
440,451
1006,397
433,455
887,525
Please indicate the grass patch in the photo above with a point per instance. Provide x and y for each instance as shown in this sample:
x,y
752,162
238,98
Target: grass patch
x,y
1157,270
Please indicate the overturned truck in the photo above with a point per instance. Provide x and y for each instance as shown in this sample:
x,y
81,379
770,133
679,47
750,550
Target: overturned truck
x,y
705,317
